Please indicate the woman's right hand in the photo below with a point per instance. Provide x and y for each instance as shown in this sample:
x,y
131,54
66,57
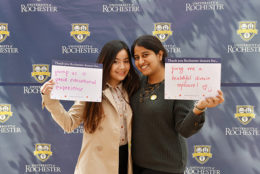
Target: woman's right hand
x,y
47,87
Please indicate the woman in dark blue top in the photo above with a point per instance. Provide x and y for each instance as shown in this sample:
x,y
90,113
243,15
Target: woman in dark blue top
x,y
160,126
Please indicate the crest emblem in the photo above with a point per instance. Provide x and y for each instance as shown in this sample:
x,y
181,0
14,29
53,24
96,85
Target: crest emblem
x,y
5,112
43,151
79,32
162,31
202,153
247,30
245,114
40,72
3,32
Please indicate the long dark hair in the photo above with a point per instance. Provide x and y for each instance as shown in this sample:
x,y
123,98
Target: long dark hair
x,y
151,43
130,83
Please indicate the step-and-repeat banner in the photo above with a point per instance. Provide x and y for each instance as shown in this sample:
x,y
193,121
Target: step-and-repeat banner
x,y
34,32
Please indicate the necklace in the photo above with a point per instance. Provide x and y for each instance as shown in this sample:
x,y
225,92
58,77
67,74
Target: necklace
x,y
149,91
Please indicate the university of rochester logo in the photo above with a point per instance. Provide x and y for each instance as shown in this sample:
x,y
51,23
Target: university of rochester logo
x,y
162,31
247,30
3,32
79,32
5,112
121,6
245,113
43,151
40,72
202,153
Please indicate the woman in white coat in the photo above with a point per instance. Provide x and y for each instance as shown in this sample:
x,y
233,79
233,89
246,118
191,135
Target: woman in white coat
x,y
106,144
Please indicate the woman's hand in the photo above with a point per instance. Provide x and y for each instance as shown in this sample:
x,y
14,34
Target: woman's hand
x,y
209,102
47,87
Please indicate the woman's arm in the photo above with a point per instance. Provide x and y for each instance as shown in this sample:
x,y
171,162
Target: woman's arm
x,y
68,120
186,122
190,116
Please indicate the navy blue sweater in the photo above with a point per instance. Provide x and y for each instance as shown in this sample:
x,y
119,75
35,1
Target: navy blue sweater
x,y
159,130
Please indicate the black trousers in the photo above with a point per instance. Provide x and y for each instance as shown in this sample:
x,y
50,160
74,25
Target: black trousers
x,y
123,159
141,170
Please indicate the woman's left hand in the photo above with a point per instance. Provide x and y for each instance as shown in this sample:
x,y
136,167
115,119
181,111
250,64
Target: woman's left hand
x,y
209,102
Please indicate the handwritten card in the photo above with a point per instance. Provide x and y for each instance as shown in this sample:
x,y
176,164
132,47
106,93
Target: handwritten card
x,y
77,81
192,78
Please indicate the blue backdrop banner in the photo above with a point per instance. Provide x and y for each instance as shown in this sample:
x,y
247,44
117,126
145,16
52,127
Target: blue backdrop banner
x,y
35,32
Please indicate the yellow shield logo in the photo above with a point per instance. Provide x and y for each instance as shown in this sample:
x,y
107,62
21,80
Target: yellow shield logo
x,y
43,151
3,32
244,114
80,32
162,31
247,30
202,153
40,72
5,112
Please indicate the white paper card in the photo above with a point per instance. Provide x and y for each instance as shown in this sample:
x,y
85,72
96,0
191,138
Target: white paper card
x,y
192,78
77,81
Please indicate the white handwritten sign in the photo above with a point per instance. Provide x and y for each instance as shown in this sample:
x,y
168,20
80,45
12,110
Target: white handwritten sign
x,y
76,81
192,78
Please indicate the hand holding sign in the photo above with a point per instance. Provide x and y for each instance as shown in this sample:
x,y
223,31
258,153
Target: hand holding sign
x,y
209,102
76,81
192,78
47,87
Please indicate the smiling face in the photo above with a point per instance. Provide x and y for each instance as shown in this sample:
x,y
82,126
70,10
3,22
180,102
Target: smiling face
x,y
147,62
119,68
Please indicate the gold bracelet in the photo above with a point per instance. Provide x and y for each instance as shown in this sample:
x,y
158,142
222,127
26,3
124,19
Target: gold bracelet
x,y
201,110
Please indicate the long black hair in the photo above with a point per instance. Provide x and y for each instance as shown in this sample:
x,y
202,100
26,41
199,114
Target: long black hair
x,y
130,83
